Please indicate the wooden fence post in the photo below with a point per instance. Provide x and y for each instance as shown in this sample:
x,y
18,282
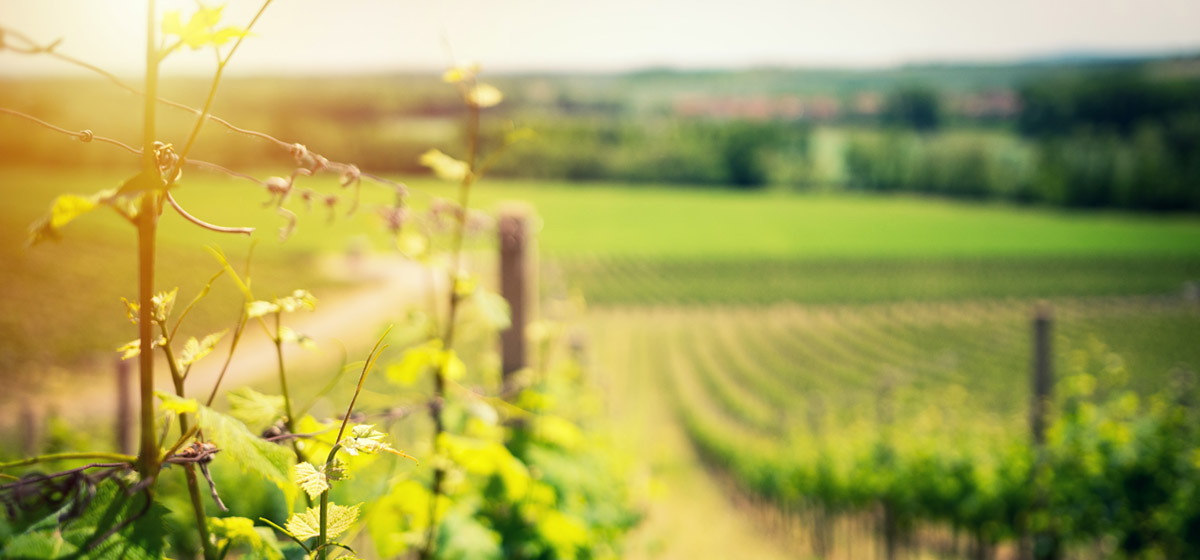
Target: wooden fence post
x,y
1043,543
1041,372
124,426
513,231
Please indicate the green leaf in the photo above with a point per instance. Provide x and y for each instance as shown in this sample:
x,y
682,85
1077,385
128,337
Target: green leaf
x,y
453,366
226,34
194,349
311,480
299,300
397,521
418,359
238,445
308,524
287,334
131,310
260,308
178,405
566,533
444,166
132,348
463,537
199,29
558,431
415,363
255,409
140,540
487,458
163,303
66,207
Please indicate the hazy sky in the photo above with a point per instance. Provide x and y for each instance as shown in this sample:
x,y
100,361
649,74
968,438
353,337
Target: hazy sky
x,y
599,35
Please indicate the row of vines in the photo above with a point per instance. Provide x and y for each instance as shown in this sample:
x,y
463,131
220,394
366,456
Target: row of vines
x,y
494,464
897,429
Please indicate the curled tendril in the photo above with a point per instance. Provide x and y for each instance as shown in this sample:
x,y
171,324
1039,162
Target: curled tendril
x,y
86,135
166,159
299,151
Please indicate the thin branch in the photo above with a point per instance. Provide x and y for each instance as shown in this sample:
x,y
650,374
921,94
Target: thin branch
x,y
212,486
84,136
69,456
44,477
204,224
225,170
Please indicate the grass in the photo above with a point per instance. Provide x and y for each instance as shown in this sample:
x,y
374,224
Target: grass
x,y
620,244
659,223
61,302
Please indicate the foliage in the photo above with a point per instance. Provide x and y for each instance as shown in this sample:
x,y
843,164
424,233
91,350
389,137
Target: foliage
x,y
742,154
112,524
915,107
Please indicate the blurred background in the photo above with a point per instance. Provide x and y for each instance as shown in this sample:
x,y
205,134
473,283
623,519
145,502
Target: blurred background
x,y
800,228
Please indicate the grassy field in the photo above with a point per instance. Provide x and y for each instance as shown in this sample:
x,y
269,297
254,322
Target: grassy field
x,y
619,244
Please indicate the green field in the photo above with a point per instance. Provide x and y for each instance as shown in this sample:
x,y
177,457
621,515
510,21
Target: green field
x,y
618,244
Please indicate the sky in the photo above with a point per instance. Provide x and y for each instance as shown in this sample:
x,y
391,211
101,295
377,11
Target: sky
x,y
351,36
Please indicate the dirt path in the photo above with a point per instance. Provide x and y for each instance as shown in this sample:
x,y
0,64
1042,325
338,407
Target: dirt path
x,y
389,287
688,515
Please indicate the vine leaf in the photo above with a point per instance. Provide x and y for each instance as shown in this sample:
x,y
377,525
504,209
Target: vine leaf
x,y
311,480
254,409
194,350
254,454
142,538
199,32
133,348
418,359
308,524
66,207
444,166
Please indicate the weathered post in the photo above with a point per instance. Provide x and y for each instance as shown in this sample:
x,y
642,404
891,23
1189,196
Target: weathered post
x,y
124,426
1041,371
1044,542
513,231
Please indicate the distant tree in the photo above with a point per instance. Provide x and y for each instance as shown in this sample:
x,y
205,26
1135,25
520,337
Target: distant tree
x,y
1113,101
915,107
